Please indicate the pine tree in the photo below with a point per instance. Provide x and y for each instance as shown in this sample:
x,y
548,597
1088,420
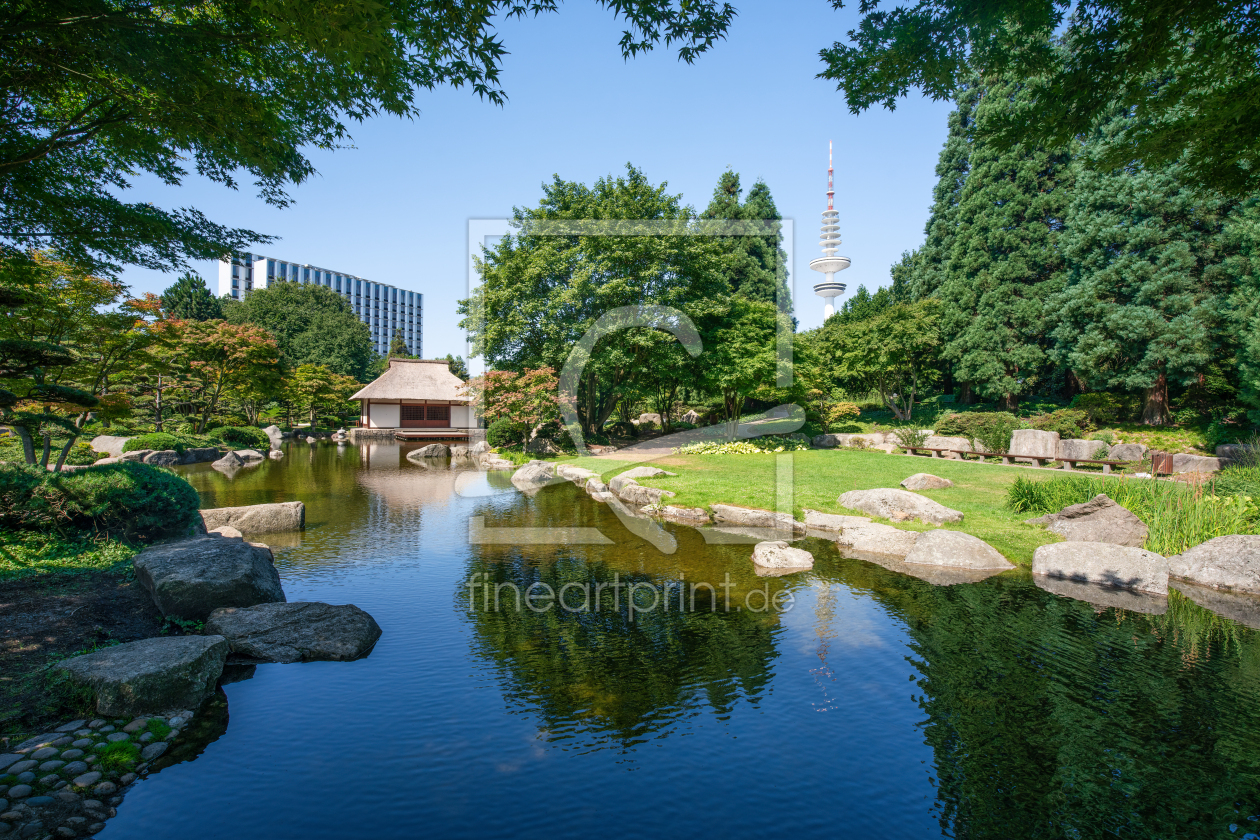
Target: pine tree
x,y
189,300
754,266
457,366
1005,261
398,346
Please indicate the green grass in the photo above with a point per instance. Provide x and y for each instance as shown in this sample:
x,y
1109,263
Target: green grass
x,y
118,756
27,553
820,476
1178,516
159,728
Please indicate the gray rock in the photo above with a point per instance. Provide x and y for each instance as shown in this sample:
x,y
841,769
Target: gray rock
x,y
634,493
191,578
7,760
685,515
534,476
1235,452
543,446
162,458
1034,445
274,435
258,519
126,779
1242,607
926,481
109,444
1184,463
297,632
199,454
778,554
229,461
953,443
49,766
105,789
23,766
459,451
150,675
735,515
44,754
886,502
1117,566
26,778
1229,562
433,450
1098,520
691,417
310,439
1082,450
87,779
955,550
75,768
633,475
96,724
653,419
83,742
275,454
595,487
1127,452
71,755
227,531
479,448
135,455
71,726
153,751
20,791
575,474
247,455
115,737
135,725
874,540
832,522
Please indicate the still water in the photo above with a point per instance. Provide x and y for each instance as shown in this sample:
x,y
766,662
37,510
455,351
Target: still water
x,y
879,705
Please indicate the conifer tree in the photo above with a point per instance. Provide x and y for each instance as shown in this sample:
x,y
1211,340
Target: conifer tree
x,y
754,266
190,300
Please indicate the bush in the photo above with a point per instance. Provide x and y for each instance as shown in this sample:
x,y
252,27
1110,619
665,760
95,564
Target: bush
x,y
157,441
990,429
752,446
1068,422
1106,409
128,501
249,437
504,432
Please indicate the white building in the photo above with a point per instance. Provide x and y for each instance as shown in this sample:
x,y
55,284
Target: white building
x,y
383,308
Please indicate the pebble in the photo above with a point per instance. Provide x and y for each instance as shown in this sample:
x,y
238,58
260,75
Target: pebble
x,y
115,737
68,796
25,778
75,768
41,800
8,759
95,827
96,724
60,784
71,726
49,780
172,735
176,721
83,733
91,759
11,815
94,804
153,750
138,723
127,778
63,740
105,788
146,737
23,766
49,766
66,831
87,779
19,791
107,728
76,820
81,743
71,755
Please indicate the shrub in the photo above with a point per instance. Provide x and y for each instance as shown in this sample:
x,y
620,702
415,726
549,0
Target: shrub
x,y
1068,422
1105,409
745,447
156,441
504,432
682,427
1105,437
129,501
249,437
991,430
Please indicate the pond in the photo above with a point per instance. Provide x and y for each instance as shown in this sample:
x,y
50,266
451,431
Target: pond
x,y
861,702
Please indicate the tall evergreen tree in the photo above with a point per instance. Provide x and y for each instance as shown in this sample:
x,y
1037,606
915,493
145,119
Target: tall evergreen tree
x,y
190,300
1005,261
1148,279
398,346
754,266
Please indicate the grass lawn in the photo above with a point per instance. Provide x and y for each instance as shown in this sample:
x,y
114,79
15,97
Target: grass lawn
x,y
820,476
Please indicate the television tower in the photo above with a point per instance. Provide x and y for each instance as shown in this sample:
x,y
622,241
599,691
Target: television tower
x,y
829,263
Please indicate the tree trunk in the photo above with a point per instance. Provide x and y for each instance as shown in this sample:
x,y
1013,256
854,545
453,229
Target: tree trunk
x,y
65,450
43,461
1010,402
157,405
1155,406
28,445
965,395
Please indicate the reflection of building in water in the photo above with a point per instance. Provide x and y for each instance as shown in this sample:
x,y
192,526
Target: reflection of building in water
x,y
394,481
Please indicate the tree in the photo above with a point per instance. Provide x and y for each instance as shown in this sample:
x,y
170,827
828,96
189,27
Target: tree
x,y
894,353
527,398
311,325
1005,261
189,300
740,354
314,388
96,92
210,359
457,366
754,266
398,346
1186,72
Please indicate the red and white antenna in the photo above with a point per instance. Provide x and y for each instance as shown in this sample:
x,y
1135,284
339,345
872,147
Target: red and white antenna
x,y
831,186
829,263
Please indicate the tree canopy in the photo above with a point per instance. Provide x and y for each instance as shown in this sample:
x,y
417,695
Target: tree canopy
x,y
189,299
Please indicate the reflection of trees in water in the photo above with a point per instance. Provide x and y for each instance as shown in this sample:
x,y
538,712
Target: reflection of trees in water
x,y
1049,719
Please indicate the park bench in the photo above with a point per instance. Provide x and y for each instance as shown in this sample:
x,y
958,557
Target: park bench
x,y
1070,463
1007,458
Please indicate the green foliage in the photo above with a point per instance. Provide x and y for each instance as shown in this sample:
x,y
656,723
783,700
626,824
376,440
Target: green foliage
x,y
157,441
159,729
1103,409
754,266
118,756
127,501
244,437
1179,517
189,299
752,446
27,553
1068,422
1238,480
504,432
990,429
457,366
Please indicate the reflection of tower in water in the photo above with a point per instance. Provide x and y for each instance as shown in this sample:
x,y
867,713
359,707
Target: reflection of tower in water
x,y
824,614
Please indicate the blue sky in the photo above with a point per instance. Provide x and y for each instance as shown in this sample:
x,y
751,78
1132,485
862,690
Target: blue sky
x,y
395,208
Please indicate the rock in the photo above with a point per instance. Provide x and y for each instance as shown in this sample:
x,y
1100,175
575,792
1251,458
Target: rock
x,y
1034,445
945,442
492,463
777,554
96,724
595,487
956,550
636,473
887,501
7,760
1183,463
816,521
199,454
479,448
192,577
23,766
71,755
153,751
247,455
1082,450
685,515
1229,562
83,742
310,439
228,461
752,517
115,737
87,779
433,450
459,451
1242,607
49,766
20,791
926,481
1127,452
275,454
297,632
75,768
71,726
109,444
135,455
227,531
691,417
1098,520
44,754
258,519
872,540
1117,566
653,419
274,435
105,789
150,675
577,475
543,446
1232,452
105,461
634,493
534,476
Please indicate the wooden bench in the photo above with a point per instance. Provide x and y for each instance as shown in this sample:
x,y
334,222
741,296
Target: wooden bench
x,y
936,452
1008,458
1069,463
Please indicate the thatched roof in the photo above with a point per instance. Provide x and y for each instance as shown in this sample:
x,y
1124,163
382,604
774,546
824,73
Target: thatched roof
x,y
415,379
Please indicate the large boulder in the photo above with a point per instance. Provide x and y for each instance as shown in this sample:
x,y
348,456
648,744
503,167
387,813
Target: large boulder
x,y
832,522
691,417
433,450
1082,450
636,473
1185,463
956,444
752,517
899,504
1229,562
459,451
685,515
258,519
229,461
1098,520
199,454
634,493
191,578
1225,452
534,476
248,455
956,550
152,675
162,458
575,474
777,554
1127,452
650,420
137,455
276,454
1118,566
302,631
926,481
111,445
274,435
1034,445
479,448
873,541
